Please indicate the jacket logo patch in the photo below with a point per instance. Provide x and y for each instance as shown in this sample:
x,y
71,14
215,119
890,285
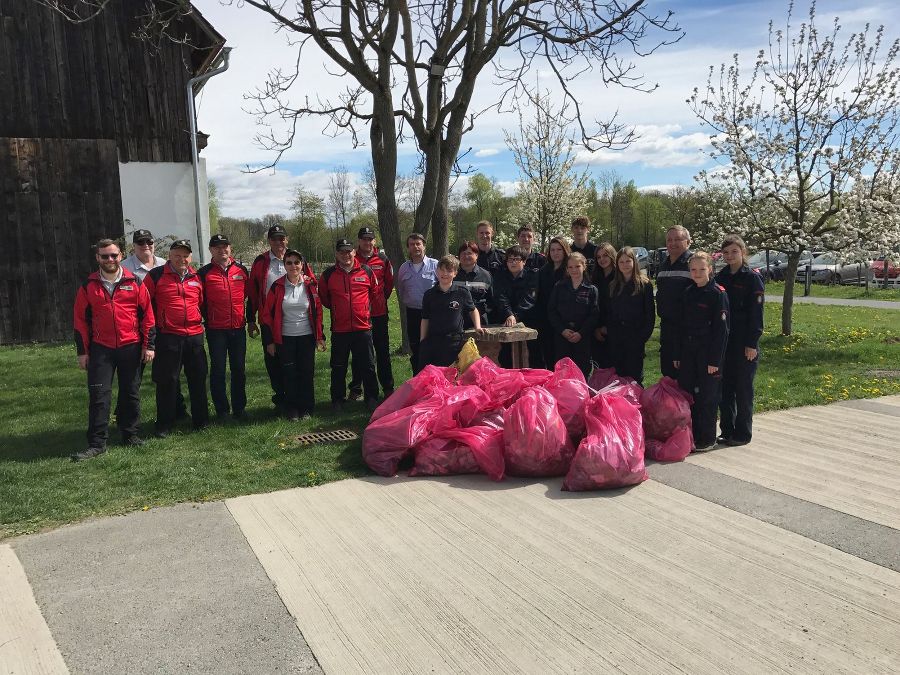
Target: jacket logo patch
x,y
237,276
454,304
193,283
126,288
359,278
724,316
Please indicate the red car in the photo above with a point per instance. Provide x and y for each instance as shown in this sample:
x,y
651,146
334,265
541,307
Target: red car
x,y
877,267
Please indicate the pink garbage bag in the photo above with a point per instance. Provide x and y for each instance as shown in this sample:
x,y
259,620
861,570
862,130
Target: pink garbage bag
x,y
602,377
459,451
565,369
490,418
534,436
391,438
674,449
535,377
461,405
415,389
612,454
666,407
481,372
625,387
570,395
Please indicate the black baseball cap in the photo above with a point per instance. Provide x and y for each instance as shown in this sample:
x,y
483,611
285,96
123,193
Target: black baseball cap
x,y
141,235
365,233
181,243
343,245
277,231
218,240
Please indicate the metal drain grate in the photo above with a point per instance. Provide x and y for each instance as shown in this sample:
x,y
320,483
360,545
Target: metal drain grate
x,y
326,437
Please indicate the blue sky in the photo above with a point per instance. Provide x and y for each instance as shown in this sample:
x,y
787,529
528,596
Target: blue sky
x,y
669,151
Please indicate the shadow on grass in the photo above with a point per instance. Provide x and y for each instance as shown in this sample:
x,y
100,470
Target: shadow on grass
x,y
46,445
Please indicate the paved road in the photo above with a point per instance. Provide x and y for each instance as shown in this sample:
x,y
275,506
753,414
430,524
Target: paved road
x,y
876,304
780,556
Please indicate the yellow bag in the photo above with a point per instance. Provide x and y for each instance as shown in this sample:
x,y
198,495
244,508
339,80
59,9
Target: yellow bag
x,y
467,356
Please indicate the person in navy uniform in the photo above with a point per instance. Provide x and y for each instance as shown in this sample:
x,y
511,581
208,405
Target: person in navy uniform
x,y
553,271
630,315
490,257
602,277
515,295
700,348
581,228
746,291
672,279
443,307
573,314
476,280
534,260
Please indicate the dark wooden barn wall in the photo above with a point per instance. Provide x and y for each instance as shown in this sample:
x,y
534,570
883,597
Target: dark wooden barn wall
x,y
57,197
93,80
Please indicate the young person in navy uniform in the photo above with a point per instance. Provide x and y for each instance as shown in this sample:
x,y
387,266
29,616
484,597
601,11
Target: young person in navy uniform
x,y
672,279
602,277
534,260
553,271
444,306
572,311
746,291
515,294
700,348
630,316
581,228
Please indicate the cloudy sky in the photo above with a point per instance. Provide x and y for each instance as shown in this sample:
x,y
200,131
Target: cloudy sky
x,y
669,150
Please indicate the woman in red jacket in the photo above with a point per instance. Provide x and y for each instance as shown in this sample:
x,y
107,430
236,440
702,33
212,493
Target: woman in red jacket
x,y
291,330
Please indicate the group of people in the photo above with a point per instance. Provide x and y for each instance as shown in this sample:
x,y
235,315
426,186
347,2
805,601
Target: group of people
x,y
588,302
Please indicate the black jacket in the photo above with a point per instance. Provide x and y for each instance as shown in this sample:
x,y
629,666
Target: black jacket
x,y
629,316
515,297
480,285
602,282
705,322
573,308
671,281
746,291
535,261
494,261
590,253
547,279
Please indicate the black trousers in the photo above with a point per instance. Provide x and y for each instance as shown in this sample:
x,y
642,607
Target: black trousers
x,y
172,353
600,353
668,339
705,388
297,355
627,357
440,350
276,379
736,408
382,345
579,352
414,334
103,363
231,345
359,344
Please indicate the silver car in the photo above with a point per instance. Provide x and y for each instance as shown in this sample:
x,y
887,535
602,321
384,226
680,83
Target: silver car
x,y
827,270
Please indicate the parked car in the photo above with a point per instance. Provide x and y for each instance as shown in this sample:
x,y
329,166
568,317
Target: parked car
x,y
655,259
642,255
893,271
766,268
826,269
780,270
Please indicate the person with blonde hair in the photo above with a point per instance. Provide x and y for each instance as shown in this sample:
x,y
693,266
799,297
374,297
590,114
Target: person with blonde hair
x,y
700,348
630,316
572,312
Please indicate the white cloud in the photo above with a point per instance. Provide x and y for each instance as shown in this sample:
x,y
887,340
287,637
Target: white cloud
x,y
487,152
657,147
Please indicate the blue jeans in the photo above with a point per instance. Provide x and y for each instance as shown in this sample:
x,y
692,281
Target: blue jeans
x,y
233,345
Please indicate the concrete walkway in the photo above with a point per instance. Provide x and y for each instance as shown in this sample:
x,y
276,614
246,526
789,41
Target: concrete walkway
x,y
810,300
780,556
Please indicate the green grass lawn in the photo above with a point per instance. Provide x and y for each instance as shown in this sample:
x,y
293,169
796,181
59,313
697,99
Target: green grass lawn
x,y
43,407
834,291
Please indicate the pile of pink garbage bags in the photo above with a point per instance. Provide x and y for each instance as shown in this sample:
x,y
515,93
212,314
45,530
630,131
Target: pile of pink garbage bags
x,y
529,422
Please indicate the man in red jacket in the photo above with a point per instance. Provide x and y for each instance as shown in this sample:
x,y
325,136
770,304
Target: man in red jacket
x,y
349,289
226,286
177,295
368,254
114,333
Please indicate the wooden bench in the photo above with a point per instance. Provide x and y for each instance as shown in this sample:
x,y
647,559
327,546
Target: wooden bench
x,y
495,337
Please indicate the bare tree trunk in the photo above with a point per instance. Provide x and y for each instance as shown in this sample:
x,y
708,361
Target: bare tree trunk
x,y
787,302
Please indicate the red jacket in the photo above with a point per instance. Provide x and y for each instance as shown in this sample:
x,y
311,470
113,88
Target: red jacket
x,y
384,272
116,320
349,296
176,302
271,316
225,295
258,273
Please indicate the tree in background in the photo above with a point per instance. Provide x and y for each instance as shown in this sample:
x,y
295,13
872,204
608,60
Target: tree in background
x,y
215,207
811,121
340,197
551,191
412,68
307,229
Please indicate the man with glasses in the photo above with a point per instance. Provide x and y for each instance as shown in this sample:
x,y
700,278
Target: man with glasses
x,y
514,299
177,295
672,278
142,259
268,267
114,334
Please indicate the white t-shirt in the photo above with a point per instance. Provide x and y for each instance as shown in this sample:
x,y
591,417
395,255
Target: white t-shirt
x,y
295,310
276,271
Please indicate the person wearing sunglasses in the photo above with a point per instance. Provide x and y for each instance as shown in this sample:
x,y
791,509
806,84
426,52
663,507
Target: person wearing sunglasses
x,y
143,258
177,294
114,334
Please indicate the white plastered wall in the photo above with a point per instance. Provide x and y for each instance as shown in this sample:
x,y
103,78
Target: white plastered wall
x,y
159,196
